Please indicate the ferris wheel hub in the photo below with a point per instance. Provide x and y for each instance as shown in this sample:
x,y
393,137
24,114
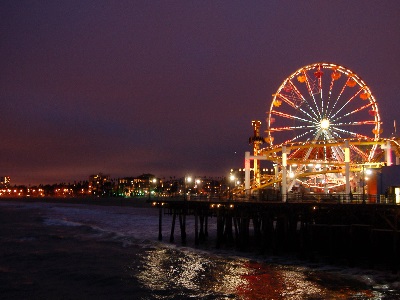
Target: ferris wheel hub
x,y
324,124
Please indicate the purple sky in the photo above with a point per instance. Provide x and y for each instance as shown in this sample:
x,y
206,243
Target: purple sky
x,y
169,87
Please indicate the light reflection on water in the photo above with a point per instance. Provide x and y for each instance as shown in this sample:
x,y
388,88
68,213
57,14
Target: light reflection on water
x,y
167,273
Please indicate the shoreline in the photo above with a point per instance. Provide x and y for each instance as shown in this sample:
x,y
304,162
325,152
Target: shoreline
x,y
129,202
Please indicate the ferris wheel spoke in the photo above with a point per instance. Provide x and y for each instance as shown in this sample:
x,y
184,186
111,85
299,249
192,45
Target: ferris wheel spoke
x,y
320,92
359,151
356,123
334,133
293,154
338,98
311,93
329,93
299,136
293,105
354,111
337,150
312,110
287,100
348,101
287,128
333,136
316,137
303,100
281,114
348,132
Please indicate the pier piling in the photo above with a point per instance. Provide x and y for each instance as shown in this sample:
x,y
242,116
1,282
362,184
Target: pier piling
x,y
359,234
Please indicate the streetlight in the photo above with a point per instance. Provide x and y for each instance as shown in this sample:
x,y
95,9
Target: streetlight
x,y
154,180
187,179
232,178
368,172
197,186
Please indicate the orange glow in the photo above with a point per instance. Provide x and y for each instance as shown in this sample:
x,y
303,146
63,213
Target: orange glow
x,y
365,95
351,82
336,75
277,103
301,78
318,74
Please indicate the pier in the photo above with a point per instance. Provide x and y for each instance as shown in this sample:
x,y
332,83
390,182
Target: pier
x,y
353,232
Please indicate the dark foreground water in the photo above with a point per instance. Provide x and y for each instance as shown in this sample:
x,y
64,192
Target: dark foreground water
x,y
71,251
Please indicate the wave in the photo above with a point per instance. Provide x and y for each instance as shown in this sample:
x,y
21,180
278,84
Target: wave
x,y
133,226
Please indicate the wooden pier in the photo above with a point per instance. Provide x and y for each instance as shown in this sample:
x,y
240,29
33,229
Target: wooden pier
x,y
355,233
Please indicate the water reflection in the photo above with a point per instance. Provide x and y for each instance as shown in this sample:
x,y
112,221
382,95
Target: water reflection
x,y
169,272
164,268
264,281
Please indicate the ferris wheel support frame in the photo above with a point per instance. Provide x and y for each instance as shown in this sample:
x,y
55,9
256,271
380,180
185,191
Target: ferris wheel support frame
x,y
347,165
249,157
283,160
247,168
388,154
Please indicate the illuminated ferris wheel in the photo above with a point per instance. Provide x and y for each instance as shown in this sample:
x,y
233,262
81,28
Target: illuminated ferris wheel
x,y
325,103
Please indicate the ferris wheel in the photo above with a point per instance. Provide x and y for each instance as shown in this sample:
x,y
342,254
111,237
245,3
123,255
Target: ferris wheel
x,y
324,103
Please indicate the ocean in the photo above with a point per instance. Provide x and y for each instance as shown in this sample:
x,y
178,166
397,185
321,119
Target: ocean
x,y
84,251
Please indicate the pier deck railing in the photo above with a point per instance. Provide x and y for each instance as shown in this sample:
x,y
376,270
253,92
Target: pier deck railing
x,y
356,198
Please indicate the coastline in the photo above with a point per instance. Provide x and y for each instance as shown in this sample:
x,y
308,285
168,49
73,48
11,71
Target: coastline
x,y
107,201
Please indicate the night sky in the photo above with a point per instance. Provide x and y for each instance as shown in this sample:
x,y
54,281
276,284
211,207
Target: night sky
x,y
169,87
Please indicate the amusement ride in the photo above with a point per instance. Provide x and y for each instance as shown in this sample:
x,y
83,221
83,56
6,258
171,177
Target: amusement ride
x,y
323,133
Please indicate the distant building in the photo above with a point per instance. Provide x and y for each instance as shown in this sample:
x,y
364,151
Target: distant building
x,y
100,185
132,186
5,181
210,186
